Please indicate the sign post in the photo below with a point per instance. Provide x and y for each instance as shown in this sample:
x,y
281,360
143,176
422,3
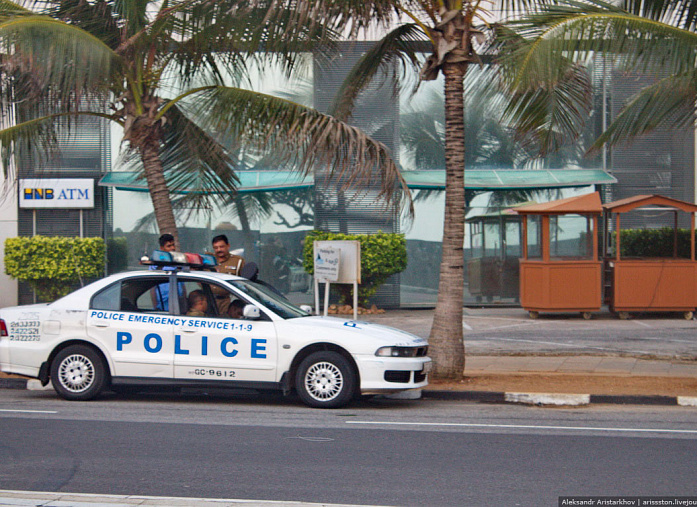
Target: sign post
x,y
336,262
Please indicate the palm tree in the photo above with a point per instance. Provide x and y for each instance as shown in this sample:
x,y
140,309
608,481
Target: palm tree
x,y
162,66
656,38
454,32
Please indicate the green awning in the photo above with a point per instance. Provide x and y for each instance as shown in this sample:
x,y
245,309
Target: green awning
x,y
475,179
250,181
511,179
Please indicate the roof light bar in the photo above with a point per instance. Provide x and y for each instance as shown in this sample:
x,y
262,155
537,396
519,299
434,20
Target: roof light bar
x,y
184,260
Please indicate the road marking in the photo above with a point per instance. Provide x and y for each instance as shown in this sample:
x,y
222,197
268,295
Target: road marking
x,y
496,338
466,326
313,439
509,326
641,323
498,318
530,427
647,338
28,411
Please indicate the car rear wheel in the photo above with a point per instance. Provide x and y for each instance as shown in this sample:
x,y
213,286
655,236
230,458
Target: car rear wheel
x,y
326,380
78,373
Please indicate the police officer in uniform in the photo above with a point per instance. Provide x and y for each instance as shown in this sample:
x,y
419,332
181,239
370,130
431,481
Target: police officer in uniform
x,y
227,263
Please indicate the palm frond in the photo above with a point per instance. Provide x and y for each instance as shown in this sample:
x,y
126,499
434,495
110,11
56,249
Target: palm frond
x,y
196,165
304,138
134,14
207,43
679,13
37,139
574,30
65,62
395,46
98,18
551,116
669,102
11,9
350,16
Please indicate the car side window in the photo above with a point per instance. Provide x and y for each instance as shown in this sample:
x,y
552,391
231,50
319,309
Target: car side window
x,y
108,299
132,295
145,295
210,300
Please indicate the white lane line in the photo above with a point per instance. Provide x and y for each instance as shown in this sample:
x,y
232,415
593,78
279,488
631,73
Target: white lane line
x,y
529,427
495,328
672,340
17,411
510,319
496,338
641,323
466,326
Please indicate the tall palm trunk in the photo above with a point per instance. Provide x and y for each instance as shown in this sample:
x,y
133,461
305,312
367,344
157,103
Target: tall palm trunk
x,y
446,336
159,193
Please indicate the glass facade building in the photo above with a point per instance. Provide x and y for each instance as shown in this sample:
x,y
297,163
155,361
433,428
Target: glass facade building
x,y
412,126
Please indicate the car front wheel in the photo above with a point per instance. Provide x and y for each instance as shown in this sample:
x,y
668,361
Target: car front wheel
x,y
78,373
326,380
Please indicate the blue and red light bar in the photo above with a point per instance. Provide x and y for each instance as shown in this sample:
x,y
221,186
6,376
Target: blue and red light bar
x,y
160,259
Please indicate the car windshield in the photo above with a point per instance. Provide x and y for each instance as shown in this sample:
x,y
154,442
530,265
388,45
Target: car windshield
x,y
267,297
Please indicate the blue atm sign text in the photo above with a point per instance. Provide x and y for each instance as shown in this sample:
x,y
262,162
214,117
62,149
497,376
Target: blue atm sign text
x,y
68,194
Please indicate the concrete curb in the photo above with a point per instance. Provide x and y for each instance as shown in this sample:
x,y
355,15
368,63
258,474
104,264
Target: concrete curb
x,y
558,399
537,399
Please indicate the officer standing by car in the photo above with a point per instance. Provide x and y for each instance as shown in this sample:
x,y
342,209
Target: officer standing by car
x,y
160,293
227,263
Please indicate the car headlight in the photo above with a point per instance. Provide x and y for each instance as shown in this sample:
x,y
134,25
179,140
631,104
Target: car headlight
x,y
401,351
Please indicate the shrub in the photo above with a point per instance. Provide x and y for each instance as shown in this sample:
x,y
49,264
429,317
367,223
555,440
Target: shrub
x,y
654,242
382,255
52,266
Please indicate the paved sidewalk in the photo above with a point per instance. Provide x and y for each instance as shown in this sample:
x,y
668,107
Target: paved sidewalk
x,y
590,365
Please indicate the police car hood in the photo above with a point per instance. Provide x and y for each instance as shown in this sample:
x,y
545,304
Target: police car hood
x,y
356,330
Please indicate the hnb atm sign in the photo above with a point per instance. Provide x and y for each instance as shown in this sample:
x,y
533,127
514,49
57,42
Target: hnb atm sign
x,y
56,193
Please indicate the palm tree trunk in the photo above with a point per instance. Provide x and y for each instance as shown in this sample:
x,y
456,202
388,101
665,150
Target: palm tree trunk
x,y
446,340
159,194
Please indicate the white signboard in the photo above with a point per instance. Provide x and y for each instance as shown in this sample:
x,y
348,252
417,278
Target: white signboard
x,y
327,261
337,262
56,193
350,254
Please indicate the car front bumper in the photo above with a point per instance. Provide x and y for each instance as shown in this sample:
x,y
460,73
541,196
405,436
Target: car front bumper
x,y
392,374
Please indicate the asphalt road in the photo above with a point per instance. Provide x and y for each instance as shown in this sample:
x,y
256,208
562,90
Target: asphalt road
x,y
388,452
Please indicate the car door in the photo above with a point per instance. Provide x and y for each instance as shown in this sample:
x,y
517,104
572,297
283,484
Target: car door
x,y
215,346
127,319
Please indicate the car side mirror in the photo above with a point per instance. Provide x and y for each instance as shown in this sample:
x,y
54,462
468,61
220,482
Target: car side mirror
x,y
251,312
306,308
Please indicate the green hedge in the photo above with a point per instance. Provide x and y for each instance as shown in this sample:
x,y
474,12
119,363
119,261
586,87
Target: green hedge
x,y
382,255
653,242
53,266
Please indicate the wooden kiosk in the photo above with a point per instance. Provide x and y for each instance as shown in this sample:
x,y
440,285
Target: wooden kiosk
x,y
666,284
560,270
495,240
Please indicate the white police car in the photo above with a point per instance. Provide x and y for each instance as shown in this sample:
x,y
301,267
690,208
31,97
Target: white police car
x,y
127,330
